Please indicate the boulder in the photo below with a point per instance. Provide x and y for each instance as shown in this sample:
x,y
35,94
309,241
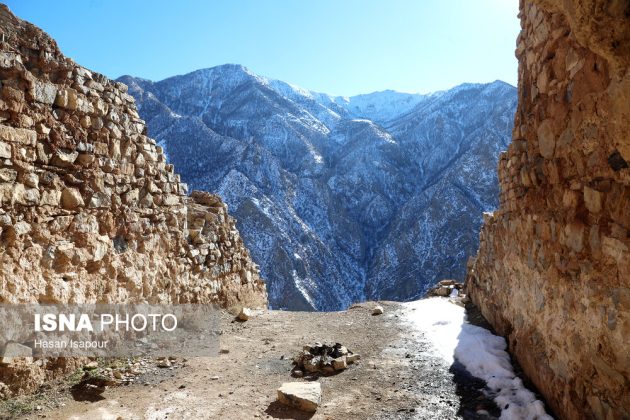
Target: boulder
x,y
378,310
245,314
305,396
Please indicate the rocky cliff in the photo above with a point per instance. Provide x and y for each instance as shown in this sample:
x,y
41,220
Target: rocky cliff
x,y
90,210
553,268
339,199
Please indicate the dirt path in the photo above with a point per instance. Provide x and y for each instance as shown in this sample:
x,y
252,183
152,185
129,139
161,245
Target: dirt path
x,y
396,378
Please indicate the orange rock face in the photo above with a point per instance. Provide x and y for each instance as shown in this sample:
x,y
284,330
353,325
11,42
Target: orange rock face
x,y
90,212
553,269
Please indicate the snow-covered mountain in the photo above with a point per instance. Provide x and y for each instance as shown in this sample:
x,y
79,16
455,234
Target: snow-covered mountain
x,y
375,196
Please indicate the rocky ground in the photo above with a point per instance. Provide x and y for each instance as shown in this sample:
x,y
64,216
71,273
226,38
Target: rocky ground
x,y
397,376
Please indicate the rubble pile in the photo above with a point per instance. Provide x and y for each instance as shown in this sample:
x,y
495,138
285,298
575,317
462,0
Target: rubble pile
x,y
446,288
323,359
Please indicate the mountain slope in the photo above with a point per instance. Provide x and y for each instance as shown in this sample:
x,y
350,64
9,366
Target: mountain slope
x,y
339,199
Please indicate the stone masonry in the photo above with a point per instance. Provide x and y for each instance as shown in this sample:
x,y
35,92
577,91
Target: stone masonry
x,y
553,269
90,212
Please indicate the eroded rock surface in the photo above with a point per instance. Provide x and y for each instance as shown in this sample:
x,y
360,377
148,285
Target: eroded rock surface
x,y
553,268
90,212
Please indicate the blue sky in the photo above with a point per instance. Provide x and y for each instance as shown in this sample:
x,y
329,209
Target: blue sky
x,y
341,47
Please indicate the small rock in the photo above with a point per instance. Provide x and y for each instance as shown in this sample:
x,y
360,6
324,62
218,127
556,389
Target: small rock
x,y
305,396
297,373
165,363
117,374
91,366
312,365
378,310
245,314
351,358
340,363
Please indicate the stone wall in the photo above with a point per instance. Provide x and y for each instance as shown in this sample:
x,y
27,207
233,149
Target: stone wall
x,y
553,269
90,210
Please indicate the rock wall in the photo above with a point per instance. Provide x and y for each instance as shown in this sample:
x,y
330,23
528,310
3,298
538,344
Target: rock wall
x,y
553,269
90,210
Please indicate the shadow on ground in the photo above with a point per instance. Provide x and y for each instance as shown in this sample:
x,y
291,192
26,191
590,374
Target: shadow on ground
x,y
278,410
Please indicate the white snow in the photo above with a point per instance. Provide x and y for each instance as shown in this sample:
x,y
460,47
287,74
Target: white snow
x,y
481,352
299,284
381,106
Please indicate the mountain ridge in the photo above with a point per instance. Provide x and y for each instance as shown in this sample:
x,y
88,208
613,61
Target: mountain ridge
x,y
324,195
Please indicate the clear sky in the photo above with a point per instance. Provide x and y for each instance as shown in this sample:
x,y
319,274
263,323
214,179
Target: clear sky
x,y
340,47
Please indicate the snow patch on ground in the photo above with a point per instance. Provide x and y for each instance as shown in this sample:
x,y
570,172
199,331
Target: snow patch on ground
x,y
482,353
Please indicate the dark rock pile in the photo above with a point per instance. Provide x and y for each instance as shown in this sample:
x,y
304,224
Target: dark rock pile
x,y
323,359
446,288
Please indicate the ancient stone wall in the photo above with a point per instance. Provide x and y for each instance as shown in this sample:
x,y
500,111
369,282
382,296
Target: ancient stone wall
x,y
90,210
553,269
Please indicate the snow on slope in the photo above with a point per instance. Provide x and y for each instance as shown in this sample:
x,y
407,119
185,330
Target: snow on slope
x,y
381,106
482,353
381,194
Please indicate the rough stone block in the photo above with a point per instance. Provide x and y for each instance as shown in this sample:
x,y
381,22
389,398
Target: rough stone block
x,y
18,135
64,159
305,396
592,200
7,175
71,199
50,198
546,139
44,92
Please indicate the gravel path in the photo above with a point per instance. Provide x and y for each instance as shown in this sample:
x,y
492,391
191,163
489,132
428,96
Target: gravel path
x,y
396,378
